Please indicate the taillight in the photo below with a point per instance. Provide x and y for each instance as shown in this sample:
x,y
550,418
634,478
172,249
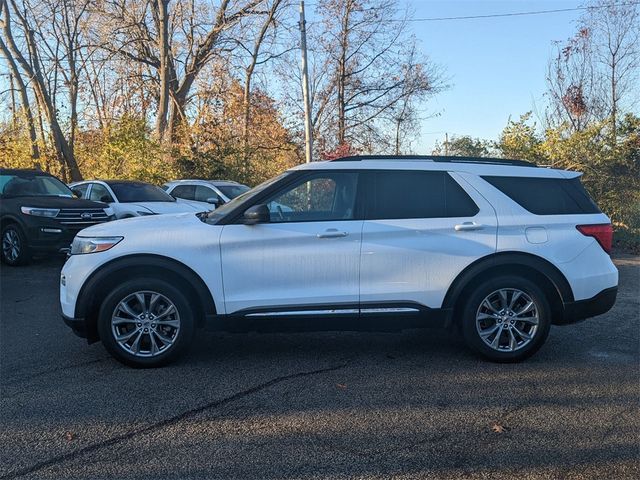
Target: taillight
x,y
603,233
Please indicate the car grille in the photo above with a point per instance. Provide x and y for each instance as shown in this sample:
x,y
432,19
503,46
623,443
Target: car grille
x,y
82,217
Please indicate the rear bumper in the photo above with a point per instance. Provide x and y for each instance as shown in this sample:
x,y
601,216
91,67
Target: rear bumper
x,y
590,307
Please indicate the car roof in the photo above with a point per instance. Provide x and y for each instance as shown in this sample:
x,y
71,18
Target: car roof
x,y
474,165
112,182
23,171
201,181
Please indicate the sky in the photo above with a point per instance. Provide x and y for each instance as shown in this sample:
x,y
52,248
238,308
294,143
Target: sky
x,y
495,66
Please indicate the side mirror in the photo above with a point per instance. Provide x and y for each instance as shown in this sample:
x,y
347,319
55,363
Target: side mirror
x,y
257,214
215,201
76,193
106,199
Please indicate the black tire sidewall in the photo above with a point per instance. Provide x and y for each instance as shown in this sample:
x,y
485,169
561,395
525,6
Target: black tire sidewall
x,y
179,299
24,255
470,333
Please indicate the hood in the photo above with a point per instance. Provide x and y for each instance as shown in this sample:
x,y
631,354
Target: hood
x,y
165,207
197,205
42,201
150,225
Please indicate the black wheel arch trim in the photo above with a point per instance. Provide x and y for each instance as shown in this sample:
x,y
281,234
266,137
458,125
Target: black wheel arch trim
x,y
500,259
11,219
90,288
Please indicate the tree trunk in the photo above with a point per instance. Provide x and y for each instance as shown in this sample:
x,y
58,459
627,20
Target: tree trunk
x,y
614,104
40,87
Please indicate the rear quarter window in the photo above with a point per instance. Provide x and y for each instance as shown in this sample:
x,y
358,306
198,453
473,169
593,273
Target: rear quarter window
x,y
546,196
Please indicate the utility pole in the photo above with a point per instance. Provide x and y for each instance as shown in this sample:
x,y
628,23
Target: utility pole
x,y
308,133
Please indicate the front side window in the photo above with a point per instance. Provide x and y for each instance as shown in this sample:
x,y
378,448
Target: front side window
x,y
204,194
324,197
417,194
81,190
100,194
186,192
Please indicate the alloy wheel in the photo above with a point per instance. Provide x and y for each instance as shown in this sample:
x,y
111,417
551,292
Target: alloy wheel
x,y
145,324
11,245
507,319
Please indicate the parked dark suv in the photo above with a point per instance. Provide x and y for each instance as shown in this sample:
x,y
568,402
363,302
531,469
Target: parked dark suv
x,y
39,214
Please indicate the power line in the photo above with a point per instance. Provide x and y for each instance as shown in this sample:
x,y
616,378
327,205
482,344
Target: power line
x,y
517,14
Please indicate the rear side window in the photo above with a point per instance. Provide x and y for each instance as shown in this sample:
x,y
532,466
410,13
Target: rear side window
x,y
416,194
546,196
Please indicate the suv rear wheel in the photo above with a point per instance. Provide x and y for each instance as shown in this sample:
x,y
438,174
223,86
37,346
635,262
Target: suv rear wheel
x,y
506,319
15,250
146,322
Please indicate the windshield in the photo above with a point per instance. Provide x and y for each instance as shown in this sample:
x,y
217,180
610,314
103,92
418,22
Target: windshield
x,y
128,192
232,191
26,184
214,215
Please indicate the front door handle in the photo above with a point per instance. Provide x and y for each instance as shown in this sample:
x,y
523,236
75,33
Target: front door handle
x,y
332,233
468,226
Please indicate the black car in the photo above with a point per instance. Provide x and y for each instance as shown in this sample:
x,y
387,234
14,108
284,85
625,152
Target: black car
x,y
39,214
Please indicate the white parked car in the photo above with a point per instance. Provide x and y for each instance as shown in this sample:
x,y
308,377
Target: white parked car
x,y
131,198
497,250
208,194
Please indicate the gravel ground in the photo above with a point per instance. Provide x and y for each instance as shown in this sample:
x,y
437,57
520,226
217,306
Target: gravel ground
x,y
415,404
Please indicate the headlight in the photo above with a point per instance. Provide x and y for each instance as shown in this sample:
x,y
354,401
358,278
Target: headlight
x,y
40,212
82,245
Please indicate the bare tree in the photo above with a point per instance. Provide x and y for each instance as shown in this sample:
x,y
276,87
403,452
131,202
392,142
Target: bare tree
x,y
29,56
574,86
616,30
175,42
254,60
16,76
595,73
370,74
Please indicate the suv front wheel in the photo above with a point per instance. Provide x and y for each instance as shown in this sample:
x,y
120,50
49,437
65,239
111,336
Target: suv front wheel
x,y
506,319
15,250
146,322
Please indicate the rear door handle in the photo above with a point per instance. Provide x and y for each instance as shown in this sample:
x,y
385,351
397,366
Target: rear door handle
x,y
468,226
332,233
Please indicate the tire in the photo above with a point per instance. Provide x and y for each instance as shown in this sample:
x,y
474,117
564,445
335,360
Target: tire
x,y
499,319
14,248
151,336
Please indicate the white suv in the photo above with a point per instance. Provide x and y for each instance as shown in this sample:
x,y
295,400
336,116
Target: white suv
x,y
497,249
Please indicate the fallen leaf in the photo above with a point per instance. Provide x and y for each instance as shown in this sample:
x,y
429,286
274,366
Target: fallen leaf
x,y
341,385
497,428
69,436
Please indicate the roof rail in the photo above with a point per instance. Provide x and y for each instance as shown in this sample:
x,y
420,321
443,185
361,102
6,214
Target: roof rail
x,y
439,159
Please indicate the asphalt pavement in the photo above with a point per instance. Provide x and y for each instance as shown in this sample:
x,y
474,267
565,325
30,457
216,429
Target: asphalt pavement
x,y
414,404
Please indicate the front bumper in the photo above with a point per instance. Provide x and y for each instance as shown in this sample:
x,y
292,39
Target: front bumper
x,y
78,325
590,307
